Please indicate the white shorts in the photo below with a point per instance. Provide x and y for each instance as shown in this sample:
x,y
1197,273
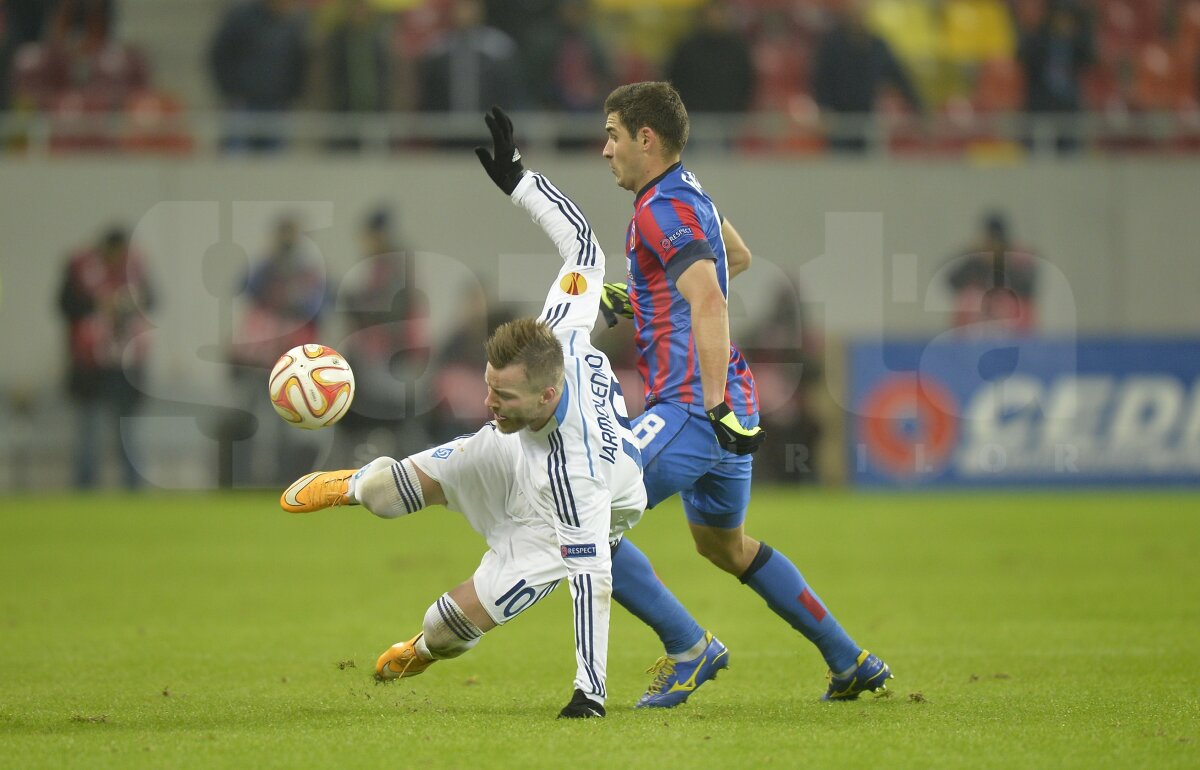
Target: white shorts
x,y
523,562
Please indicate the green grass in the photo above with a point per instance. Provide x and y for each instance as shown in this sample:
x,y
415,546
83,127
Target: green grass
x,y
213,630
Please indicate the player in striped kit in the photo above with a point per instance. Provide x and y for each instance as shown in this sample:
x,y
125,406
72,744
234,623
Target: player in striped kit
x,y
700,426
549,483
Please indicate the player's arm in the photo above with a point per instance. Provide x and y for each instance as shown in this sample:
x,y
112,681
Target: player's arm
x,y
710,326
737,253
574,295
710,329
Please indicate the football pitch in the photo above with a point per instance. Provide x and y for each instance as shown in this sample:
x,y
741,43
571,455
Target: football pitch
x,y
214,630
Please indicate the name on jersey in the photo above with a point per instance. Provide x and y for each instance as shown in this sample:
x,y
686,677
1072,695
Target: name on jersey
x,y
601,385
578,551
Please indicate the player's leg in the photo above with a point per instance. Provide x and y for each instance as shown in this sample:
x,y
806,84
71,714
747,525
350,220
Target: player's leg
x,y
453,624
720,537
689,648
636,587
386,487
518,571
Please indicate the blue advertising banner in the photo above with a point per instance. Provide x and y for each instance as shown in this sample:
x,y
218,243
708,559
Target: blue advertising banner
x,y
1025,411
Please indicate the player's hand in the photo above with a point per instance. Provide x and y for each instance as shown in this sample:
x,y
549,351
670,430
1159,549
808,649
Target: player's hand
x,y
581,707
614,302
505,168
731,435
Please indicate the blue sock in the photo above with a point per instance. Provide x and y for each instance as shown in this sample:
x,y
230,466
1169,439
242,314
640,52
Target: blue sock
x,y
638,589
777,580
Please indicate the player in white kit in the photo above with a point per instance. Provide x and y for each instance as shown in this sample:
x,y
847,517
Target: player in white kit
x,y
551,483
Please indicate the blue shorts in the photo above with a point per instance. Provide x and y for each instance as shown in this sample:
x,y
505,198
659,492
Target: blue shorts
x,y
680,454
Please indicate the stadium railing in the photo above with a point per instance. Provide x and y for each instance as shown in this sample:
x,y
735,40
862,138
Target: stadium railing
x,y
950,133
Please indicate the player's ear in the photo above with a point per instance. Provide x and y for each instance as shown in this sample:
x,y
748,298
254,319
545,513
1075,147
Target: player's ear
x,y
646,137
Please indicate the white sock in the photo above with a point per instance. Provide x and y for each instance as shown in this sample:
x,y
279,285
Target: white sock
x,y
691,653
388,488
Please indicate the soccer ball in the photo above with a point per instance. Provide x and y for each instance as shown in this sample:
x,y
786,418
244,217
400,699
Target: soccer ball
x,y
311,386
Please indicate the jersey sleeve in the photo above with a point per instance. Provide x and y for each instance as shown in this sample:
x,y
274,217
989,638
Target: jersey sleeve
x,y
573,300
671,230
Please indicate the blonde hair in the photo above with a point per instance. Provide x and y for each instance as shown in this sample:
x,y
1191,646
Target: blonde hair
x,y
531,343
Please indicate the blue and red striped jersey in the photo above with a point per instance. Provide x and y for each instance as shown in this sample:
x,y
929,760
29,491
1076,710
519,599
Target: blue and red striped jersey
x,y
674,225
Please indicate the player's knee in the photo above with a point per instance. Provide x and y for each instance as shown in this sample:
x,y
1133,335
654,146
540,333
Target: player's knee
x,y
719,553
448,631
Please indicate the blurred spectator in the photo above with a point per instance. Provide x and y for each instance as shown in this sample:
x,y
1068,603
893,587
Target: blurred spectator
x,y
472,67
566,64
23,22
458,390
83,26
358,61
258,59
994,282
388,343
285,293
786,369
852,66
525,21
104,297
1054,56
712,68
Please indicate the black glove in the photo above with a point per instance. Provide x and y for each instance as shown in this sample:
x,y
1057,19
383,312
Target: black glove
x,y
614,301
731,435
505,169
581,707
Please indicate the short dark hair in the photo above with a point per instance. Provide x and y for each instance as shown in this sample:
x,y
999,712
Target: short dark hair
x,y
529,342
653,104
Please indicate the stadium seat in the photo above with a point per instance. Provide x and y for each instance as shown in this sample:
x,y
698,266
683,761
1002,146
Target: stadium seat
x,y
1189,27
79,123
1102,87
1000,86
154,124
1158,81
1123,26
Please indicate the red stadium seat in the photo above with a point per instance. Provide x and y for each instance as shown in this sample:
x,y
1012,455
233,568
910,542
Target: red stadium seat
x,y
1000,86
154,124
78,123
1158,79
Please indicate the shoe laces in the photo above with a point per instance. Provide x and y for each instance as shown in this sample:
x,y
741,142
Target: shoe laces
x,y
663,669
330,490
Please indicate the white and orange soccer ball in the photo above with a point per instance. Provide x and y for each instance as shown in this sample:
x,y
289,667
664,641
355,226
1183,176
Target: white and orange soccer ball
x,y
312,386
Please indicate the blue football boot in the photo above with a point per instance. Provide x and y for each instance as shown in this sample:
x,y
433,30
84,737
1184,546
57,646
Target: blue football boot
x,y
871,673
675,681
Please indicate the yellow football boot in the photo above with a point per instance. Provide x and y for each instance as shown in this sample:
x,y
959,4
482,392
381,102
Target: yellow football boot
x,y
401,660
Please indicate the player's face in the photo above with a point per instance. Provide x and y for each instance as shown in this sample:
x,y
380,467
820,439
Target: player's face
x,y
513,401
622,153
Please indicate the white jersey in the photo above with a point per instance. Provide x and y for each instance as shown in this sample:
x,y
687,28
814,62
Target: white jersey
x,y
550,501
583,467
